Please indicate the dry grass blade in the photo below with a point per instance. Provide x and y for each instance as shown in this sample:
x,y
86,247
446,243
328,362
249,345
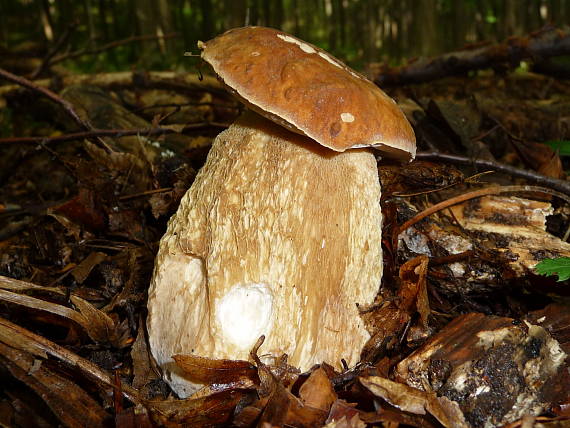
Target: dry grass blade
x,y
98,325
43,305
17,285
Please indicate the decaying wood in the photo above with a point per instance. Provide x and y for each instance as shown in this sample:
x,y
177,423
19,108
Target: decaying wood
x,y
518,226
542,44
277,237
513,228
496,369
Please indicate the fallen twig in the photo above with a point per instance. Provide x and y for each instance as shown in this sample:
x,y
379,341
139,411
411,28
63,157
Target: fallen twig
x,y
167,80
111,45
148,192
22,81
46,62
532,176
66,105
117,133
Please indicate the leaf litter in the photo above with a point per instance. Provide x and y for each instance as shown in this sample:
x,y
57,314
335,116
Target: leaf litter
x,y
78,248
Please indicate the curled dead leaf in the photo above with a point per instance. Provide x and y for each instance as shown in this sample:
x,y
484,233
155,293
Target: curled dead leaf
x,y
99,326
211,371
318,391
413,400
414,287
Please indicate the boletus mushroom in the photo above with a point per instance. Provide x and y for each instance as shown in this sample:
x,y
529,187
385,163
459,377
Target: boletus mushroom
x,y
280,233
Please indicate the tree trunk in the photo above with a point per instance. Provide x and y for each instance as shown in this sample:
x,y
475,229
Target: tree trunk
x,y
425,27
234,11
207,20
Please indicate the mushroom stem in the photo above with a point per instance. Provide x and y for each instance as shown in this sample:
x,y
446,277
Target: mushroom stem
x,y
277,237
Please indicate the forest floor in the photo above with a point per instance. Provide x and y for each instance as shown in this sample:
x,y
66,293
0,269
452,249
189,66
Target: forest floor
x,y
464,332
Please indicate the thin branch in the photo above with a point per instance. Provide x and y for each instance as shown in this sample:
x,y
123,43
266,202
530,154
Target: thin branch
x,y
532,176
117,133
54,50
111,45
66,105
185,82
48,94
146,193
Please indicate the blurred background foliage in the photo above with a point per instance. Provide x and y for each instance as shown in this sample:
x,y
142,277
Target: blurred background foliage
x,y
357,31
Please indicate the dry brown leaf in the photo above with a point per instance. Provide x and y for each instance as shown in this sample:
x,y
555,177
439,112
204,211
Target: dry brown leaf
x,y
81,210
344,415
343,422
99,326
8,337
20,286
318,391
539,157
43,305
387,325
552,167
199,412
398,395
142,366
133,417
284,409
83,269
414,287
7,414
413,400
248,416
208,370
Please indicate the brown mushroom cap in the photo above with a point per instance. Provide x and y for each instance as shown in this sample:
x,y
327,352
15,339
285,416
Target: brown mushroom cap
x,y
303,88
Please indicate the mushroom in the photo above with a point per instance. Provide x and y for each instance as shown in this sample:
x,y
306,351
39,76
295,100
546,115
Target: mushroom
x,y
278,235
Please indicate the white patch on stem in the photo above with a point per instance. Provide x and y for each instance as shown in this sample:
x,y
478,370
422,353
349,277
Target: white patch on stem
x,y
244,314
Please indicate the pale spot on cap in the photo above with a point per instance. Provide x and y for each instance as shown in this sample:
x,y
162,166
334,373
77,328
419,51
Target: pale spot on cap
x,y
304,46
347,117
329,59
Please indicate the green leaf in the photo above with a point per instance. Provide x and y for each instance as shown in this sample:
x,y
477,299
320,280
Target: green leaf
x,y
560,146
559,266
